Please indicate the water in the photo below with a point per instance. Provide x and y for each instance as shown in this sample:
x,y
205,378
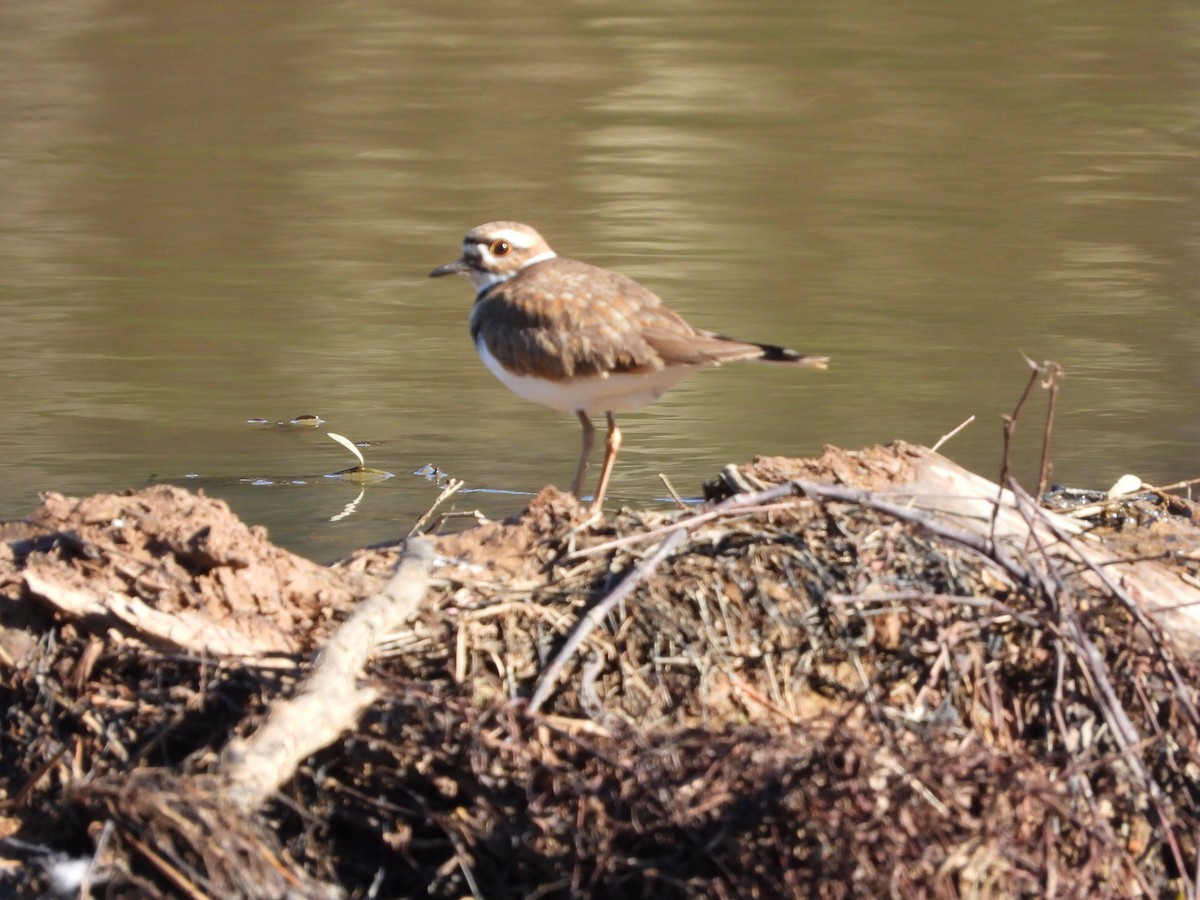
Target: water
x,y
221,211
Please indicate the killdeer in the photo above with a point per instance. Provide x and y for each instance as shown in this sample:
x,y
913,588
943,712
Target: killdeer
x,y
583,339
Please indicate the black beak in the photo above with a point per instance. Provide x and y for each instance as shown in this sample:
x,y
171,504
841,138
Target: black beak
x,y
458,267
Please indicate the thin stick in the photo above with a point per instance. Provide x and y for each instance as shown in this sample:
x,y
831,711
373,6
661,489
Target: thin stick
x,y
1053,371
1010,427
949,434
94,868
169,871
26,789
1178,485
451,488
671,490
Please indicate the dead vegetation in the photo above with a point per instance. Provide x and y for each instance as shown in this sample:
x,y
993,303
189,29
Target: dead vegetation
x,y
868,674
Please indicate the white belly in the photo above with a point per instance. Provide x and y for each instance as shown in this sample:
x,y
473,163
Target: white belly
x,y
595,395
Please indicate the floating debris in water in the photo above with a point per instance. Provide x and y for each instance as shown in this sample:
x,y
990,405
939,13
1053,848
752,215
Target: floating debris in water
x,y
304,421
1126,484
360,474
430,472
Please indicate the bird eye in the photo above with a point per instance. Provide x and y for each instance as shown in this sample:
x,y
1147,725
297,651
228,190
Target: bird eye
x,y
500,248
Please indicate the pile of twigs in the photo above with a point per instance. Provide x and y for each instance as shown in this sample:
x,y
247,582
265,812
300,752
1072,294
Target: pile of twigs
x,y
812,688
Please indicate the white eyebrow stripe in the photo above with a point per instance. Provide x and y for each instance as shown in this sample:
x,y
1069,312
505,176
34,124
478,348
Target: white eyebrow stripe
x,y
518,239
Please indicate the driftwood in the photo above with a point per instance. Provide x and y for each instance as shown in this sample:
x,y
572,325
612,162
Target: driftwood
x,y
330,700
947,490
183,630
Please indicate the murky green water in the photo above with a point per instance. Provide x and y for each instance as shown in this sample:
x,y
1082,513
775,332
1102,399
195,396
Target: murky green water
x,y
216,211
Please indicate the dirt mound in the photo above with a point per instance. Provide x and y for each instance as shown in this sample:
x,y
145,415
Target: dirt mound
x,y
171,566
866,674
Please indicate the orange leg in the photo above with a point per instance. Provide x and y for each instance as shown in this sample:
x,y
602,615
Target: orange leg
x,y
589,435
611,445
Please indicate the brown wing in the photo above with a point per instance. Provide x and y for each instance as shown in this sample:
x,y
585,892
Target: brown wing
x,y
562,317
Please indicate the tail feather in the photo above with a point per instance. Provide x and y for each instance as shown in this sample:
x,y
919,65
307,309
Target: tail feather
x,y
706,348
772,353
